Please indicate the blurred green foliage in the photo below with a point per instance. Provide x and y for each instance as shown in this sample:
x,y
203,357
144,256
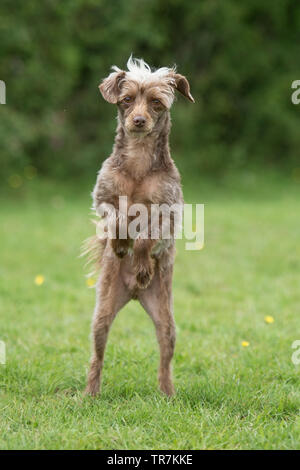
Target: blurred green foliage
x,y
240,58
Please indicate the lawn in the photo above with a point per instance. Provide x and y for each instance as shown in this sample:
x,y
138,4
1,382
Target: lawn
x,y
229,396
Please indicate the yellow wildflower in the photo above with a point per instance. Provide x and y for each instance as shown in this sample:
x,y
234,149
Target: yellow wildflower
x,y
269,319
90,282
39,280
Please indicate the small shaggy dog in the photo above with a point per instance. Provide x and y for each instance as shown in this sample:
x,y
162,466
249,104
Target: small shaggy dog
x,y
140,168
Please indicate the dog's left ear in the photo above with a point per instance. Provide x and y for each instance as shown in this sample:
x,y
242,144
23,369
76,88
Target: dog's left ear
x,y
182,85
110,88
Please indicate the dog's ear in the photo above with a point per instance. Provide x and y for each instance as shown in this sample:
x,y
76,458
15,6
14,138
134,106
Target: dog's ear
x,y
111,86
182,85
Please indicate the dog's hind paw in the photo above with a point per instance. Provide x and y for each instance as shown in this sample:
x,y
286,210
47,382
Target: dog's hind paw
x,y
167,388
92,389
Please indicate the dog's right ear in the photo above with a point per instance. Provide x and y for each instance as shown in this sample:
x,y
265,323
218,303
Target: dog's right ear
x,y
111,86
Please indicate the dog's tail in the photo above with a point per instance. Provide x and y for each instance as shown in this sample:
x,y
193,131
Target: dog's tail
x,y
92,248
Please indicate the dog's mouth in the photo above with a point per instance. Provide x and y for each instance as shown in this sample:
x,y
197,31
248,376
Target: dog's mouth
x,y
139,131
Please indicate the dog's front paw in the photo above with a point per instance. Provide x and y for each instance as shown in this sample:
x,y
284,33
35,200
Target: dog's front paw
x,y
144,275
120,247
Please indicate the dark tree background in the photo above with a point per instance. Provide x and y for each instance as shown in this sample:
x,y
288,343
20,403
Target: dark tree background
x,y
240,58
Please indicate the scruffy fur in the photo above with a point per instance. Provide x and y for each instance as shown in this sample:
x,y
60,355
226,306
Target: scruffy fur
x,y
141,168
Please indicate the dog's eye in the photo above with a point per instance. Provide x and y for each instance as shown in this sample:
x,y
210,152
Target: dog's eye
x,y
127,99
155,101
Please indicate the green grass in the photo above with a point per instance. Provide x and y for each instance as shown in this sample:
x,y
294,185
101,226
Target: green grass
x,y
228,397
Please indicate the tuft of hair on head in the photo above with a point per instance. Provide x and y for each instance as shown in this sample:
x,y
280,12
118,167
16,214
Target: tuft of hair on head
x,y
139,70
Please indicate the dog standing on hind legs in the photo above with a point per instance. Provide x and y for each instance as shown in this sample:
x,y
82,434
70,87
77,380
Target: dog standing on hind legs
x,y
140,168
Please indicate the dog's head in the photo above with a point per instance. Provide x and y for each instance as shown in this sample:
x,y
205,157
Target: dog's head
x,y
143,96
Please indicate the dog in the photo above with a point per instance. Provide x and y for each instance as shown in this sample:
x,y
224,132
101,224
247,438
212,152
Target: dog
x,y
140,167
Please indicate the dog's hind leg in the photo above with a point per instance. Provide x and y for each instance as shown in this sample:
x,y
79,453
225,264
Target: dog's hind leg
x,y
112,296
157,301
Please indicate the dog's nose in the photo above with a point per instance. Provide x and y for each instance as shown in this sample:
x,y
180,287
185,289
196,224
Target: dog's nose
x,y
139,121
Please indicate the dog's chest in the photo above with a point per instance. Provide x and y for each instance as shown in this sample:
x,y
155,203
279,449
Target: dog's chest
x,y
144,191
